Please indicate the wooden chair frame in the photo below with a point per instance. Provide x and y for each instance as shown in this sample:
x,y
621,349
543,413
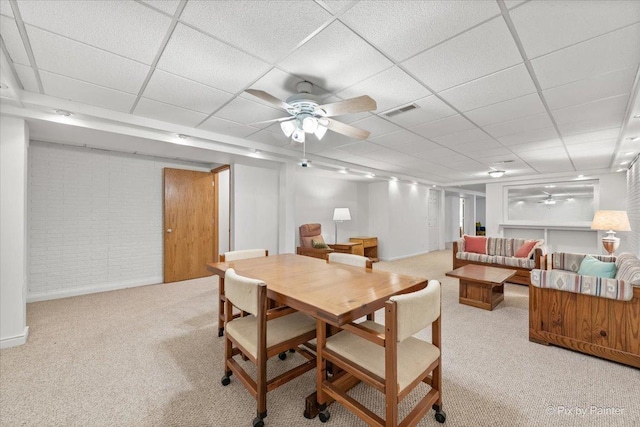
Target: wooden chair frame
x,y
336,387
261,386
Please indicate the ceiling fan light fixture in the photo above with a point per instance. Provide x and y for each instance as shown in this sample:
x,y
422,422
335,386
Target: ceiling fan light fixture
x,y
320,131
496,173
309,124
288,127
298,135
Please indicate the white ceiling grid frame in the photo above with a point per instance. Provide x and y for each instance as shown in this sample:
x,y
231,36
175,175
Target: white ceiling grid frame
x,y
26,43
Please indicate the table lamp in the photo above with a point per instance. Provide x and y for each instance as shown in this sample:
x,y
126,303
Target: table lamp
x,y
339,215
611,221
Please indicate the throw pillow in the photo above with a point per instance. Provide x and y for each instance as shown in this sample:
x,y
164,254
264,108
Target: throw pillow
x,y
475,244
593,267
318,244
525,250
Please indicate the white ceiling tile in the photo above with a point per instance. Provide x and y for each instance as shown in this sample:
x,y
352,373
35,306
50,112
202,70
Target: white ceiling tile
x,y
184,93
198,57
267,137
331,140
337,5
397,139
334,69
585,126
473,54
599,162
359,147
603,109
376,126
587,90
445,126
244,111
476,146
268,30
76,90
430,109
553,165
13,41
214,124
418,146
168,113
501,86
468,136
5,8
519,125
545,26
390,88
529,136
592,149
592,136
513,3
167,6
516,108
435,154
544,154
66,57
27,77
126,28
282,85
389,156
404,28
536,146
613,51
496,156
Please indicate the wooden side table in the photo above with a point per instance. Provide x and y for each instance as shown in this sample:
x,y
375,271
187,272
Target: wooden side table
x,y
370,246
354,248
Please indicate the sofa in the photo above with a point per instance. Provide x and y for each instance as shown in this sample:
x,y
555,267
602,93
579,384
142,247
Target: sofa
x,y
500,252
310,233
593,315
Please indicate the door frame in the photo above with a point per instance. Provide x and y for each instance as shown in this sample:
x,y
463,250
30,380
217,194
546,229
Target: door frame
x,y
216,209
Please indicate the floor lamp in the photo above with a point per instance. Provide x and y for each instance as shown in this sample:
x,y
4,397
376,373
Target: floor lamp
x,y
611,221
339,215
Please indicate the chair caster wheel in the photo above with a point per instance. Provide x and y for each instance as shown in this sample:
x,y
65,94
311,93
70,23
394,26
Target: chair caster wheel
x,y
226,380
324,416
258,422
282,356
220,332
441,417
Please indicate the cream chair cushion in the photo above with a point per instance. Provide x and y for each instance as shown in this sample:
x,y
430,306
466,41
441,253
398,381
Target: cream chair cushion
x,y
349,259
245,330
414,355
242,291
417,310
244,254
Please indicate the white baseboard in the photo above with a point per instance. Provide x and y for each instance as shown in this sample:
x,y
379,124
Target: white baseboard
x,y
84,290
406,256
15,340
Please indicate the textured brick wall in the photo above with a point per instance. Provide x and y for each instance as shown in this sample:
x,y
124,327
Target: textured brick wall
x,y
95,220
633,205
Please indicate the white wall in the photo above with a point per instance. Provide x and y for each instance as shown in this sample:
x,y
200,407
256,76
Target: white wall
x,y
14,145
452,218
255,208
379,217
481,208
633,208
223,211
95,220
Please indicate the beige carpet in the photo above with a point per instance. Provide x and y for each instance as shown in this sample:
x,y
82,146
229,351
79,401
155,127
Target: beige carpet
x,y
150,356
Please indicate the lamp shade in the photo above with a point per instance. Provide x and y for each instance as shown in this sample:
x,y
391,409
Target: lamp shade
x,y
341,214
611,220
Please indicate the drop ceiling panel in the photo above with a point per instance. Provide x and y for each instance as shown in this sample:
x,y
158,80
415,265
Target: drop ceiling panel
x,y
592,163
601,110
244,111
27,78
168,113
13,41
167,6
585,126
429,109
215,124
468,136
494,154
268,30
529,136
5,8
480,51
417,146
360,147
393,25
73,59
552,165
592,149
545,26
445,126
282,85
519,125
501,86
397,139
587,90
178,91
516,108
477,146
76,90
108,25
336,6
610,52
536,146
389,156
390,88
198,57
376,126
592,136
331,68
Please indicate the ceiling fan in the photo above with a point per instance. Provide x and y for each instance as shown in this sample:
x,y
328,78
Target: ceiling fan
x,y
307,115
549,200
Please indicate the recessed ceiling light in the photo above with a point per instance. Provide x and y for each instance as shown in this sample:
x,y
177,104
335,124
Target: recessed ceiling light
x,y
183,136
580,176
393,178
343,170
371,175
629,153
496,174
435,186
502,162
549,186
64,113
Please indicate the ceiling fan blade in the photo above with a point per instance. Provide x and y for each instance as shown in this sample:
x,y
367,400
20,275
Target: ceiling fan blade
x,y
346,129
281,119
269,98
348,106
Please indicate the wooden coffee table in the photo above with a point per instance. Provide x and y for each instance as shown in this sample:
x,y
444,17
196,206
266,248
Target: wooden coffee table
x,y
480,285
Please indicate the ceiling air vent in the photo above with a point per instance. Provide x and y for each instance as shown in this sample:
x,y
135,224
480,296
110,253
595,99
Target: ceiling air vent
x,y
401,110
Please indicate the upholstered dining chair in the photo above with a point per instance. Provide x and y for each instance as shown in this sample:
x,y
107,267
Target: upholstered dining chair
x,y
354,260
233,256
261,335
390,359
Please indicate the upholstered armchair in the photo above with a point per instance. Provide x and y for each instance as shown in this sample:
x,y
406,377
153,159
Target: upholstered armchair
x,y
308,234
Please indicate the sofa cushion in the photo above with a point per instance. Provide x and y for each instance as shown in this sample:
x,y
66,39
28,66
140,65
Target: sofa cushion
x,y
588,285
593,267
471,256
511,261
571,262
628,268
526,250
475,244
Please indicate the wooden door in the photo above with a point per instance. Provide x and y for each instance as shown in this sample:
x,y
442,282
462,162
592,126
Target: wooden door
x,y
189,232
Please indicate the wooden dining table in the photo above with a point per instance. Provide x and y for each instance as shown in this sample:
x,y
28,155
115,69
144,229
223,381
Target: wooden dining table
x,y
334,294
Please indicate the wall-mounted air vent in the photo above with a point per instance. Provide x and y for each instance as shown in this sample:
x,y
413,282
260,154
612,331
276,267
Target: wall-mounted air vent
x,y
401,110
